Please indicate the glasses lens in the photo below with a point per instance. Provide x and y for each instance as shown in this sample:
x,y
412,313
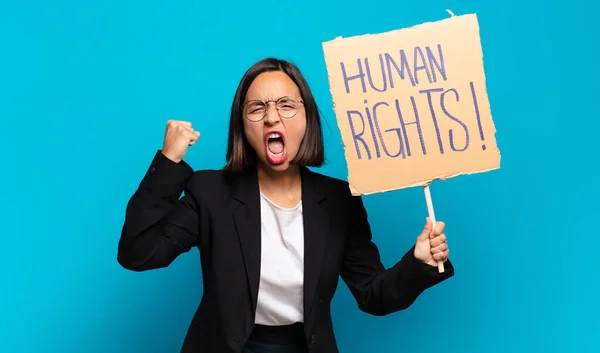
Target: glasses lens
x,y
254,110
287,107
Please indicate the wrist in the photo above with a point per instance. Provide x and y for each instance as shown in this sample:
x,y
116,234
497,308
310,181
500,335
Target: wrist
x,y
170,156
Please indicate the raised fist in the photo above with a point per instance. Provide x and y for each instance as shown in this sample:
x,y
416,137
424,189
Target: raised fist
x,y
178,136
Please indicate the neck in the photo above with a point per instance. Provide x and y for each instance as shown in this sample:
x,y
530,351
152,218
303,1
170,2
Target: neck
x,y
278,181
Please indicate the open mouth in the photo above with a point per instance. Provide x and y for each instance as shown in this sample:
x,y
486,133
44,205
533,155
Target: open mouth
x,y
275,144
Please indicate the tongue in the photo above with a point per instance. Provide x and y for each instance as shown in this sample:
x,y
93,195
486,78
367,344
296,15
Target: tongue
x,y
275,146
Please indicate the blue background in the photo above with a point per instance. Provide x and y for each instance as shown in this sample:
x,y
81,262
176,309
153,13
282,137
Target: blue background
x,y
86,88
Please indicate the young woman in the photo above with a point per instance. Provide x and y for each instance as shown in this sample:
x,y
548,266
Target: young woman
x,y
273,236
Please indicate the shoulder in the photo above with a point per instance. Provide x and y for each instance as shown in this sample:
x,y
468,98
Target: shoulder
x,y
332,186
219,183
213,177
339,197
210,183
217,177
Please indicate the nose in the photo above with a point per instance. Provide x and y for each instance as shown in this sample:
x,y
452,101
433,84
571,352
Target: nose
x,y
272,116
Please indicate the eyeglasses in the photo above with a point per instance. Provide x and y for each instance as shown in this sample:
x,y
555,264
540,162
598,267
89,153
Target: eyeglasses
x,y
256,110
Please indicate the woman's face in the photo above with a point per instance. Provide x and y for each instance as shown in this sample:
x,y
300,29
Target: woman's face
x,y
275,140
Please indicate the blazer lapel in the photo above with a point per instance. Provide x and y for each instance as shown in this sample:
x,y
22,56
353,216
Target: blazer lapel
x,y
246,216
316,228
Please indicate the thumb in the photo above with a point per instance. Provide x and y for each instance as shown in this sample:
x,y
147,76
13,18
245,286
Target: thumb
x,y
426,230
194,138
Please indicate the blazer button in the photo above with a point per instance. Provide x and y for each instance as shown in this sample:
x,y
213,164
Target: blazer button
x,y
152,170
313,339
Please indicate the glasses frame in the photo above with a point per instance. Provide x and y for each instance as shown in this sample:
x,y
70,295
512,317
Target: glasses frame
x,y
266,103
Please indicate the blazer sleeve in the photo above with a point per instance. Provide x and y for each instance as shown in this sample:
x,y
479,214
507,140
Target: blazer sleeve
x,y
377,290
159,225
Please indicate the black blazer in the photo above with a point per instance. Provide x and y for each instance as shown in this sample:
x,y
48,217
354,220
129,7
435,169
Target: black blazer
x,y
220,214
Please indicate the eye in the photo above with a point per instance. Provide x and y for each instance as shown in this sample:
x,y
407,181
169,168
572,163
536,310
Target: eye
x,y
255,107
287,104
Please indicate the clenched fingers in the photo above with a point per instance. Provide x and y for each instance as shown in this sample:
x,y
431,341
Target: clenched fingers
x,y
441,256
440,239
183,128
439,249
438,229
172,122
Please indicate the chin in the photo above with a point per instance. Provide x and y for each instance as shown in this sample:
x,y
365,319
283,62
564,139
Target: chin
x,y
277,166
277,163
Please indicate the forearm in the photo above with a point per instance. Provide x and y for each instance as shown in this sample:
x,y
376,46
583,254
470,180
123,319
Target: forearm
x,y
157,223
381,291
150,239
398,287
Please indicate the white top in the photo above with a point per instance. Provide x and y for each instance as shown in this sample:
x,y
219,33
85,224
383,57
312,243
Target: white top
x,y
281,293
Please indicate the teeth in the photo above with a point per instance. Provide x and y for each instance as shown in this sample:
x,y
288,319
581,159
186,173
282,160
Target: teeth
x,y
274,135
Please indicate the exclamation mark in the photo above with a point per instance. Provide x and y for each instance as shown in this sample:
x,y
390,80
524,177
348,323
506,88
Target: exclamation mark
x,y
477,114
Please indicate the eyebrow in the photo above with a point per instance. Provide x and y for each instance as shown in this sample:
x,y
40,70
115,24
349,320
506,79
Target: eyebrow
x,y
271,98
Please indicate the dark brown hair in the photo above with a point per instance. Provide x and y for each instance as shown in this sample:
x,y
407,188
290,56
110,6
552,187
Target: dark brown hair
x,y
240,155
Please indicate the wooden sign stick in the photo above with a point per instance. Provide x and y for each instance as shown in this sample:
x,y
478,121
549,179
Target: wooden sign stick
x,y
432,217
